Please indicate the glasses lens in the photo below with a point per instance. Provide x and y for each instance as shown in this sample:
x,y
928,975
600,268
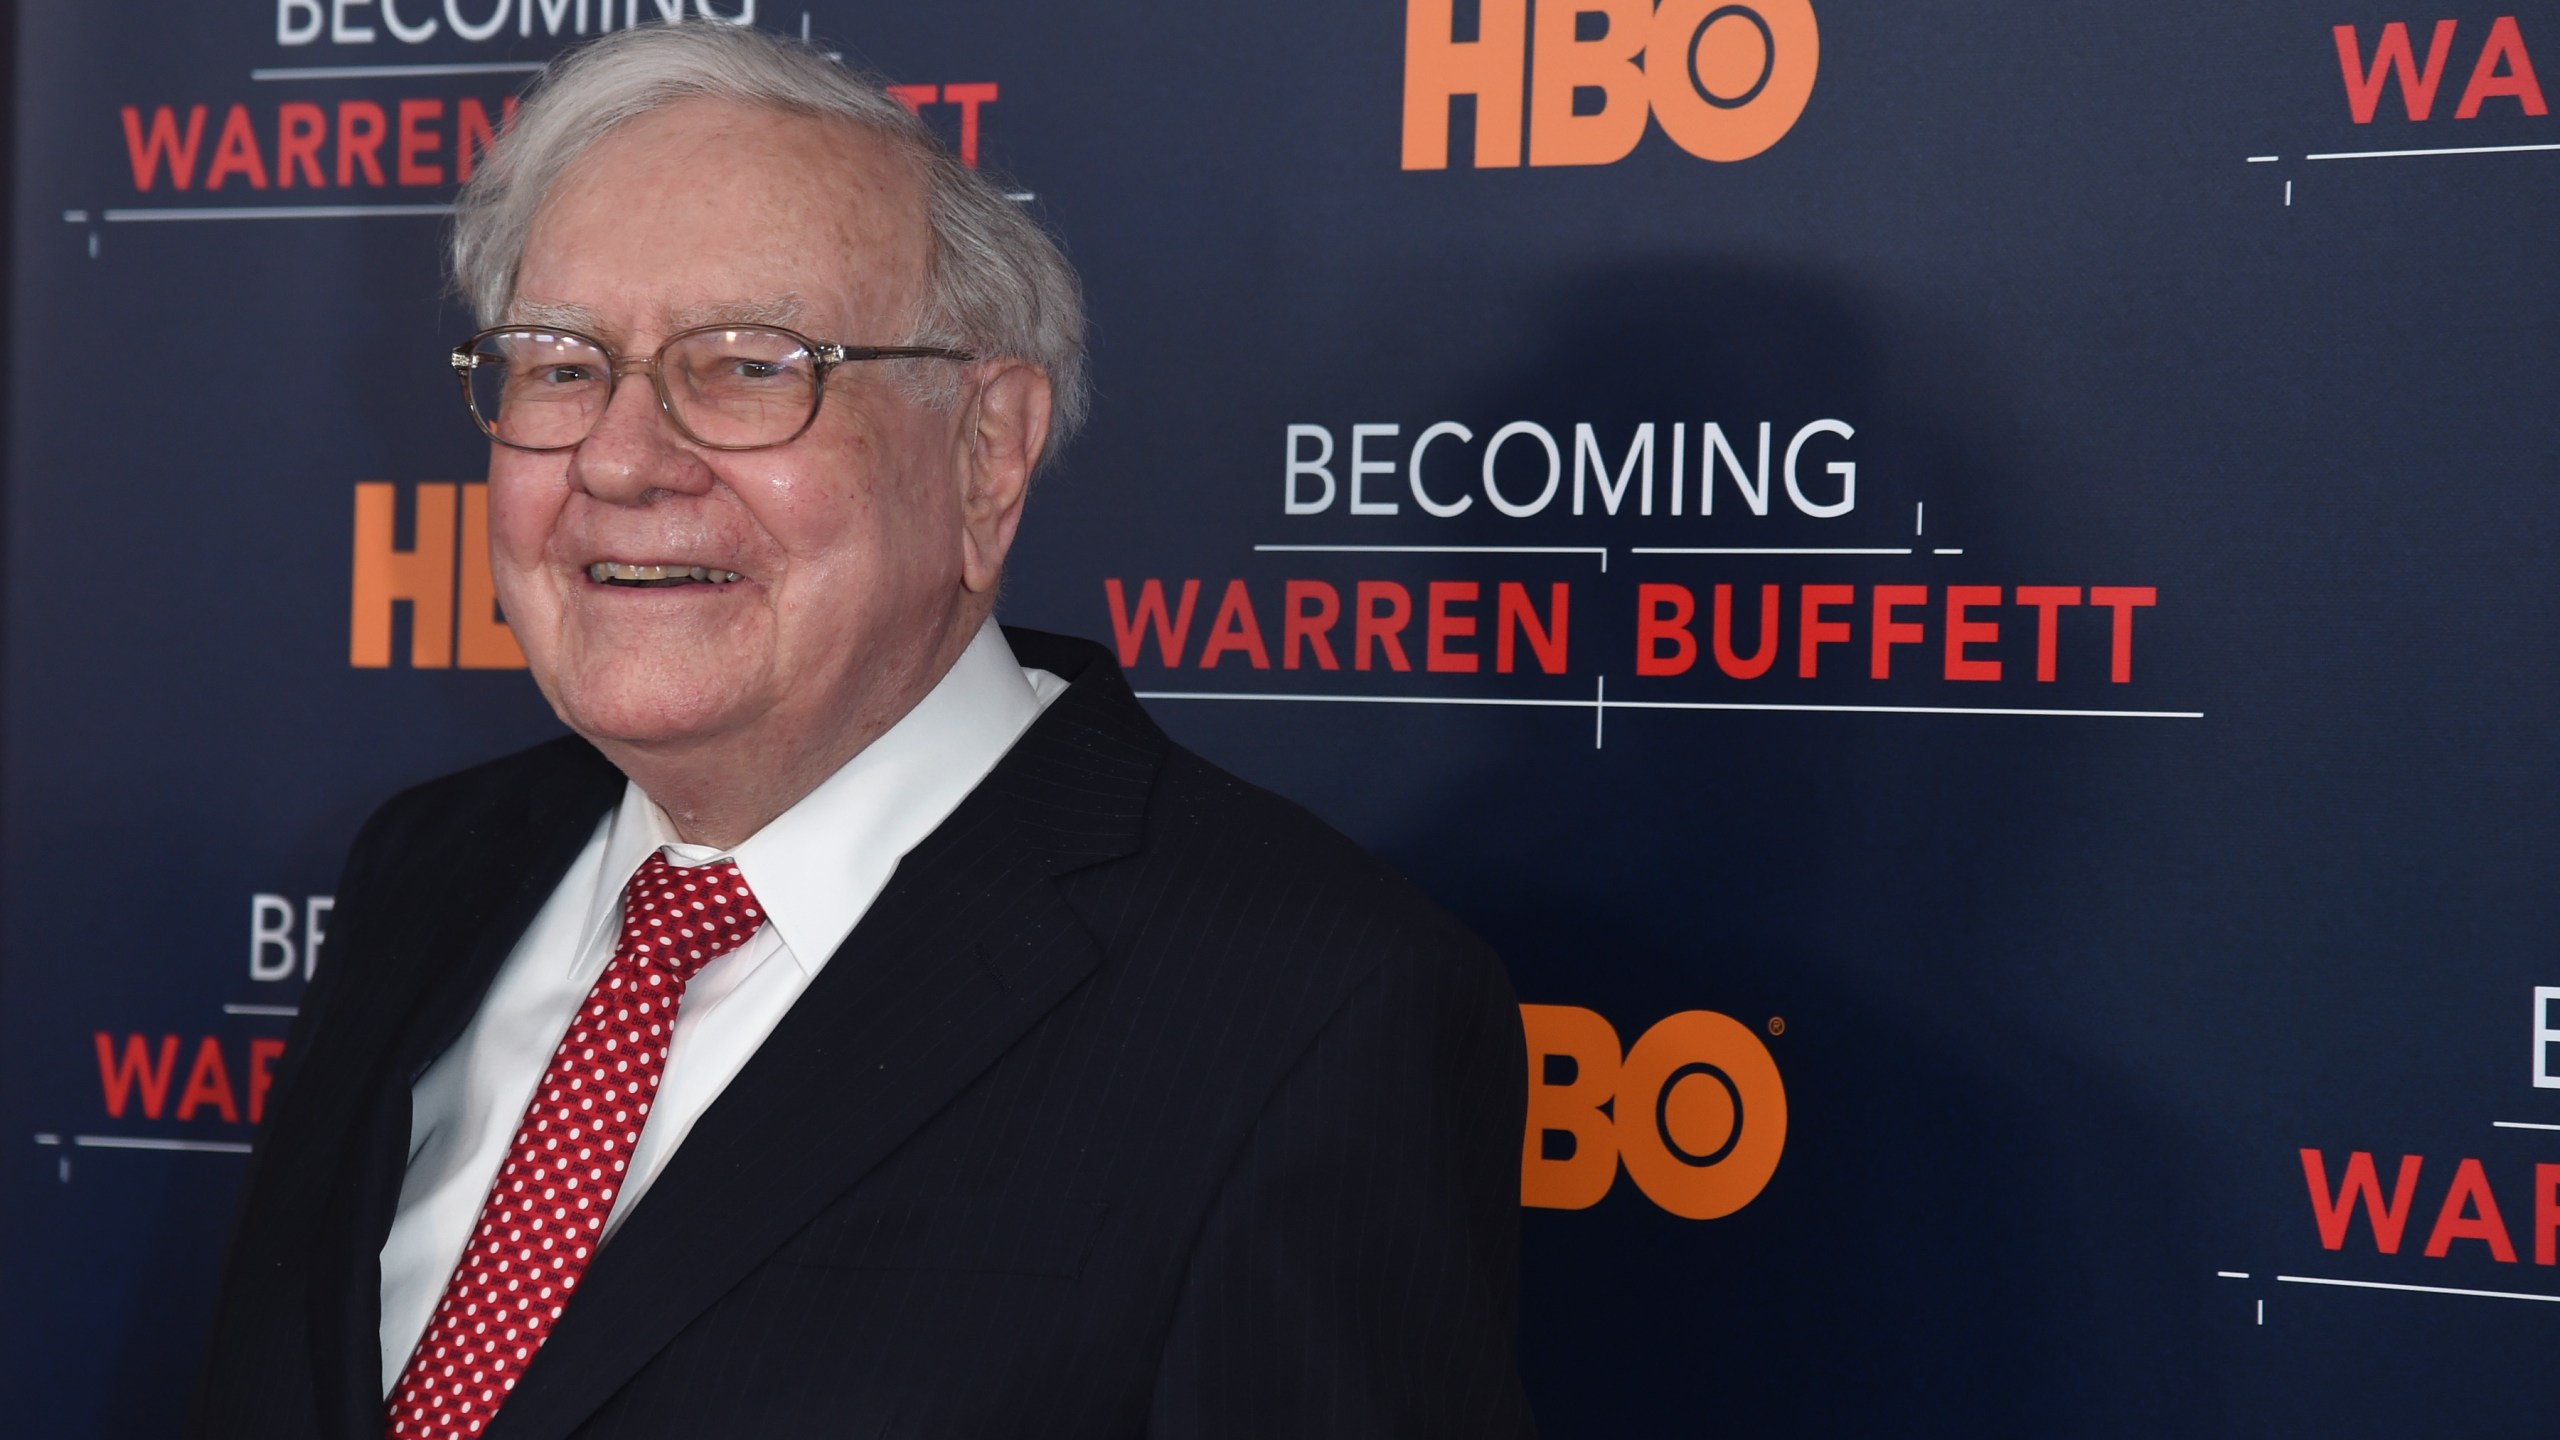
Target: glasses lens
x,y
538,389
740,387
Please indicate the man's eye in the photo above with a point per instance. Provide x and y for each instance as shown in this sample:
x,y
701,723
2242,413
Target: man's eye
x,y
758,369
564,374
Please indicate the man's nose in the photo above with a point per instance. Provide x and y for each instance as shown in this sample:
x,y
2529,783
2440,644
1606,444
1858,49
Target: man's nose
x,y
635,449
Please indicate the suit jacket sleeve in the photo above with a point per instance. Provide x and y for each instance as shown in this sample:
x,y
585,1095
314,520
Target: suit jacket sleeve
x,y
1358,1273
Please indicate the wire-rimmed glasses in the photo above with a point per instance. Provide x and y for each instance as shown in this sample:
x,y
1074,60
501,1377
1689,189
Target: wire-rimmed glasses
x,y
726,387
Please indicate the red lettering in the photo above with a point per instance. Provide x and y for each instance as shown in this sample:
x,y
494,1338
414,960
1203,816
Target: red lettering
x,y
361,130
2470,1213
1962,632
2516,82
208,1083
300,127
119,1075
1813,632
1444,625
416,139
1890,632
1312,628
1235,629
2124,600
236,153
1384,627
2048,601
263,1054
2391,55
147,150
1663,613
1762,658
2360,1183
969,98
915,97
1514,617
472,135
1128,631
2546,1214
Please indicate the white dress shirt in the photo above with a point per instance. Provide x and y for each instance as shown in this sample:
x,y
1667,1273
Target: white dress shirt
x,y
816,868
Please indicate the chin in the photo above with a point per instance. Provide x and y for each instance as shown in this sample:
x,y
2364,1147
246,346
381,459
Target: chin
x,y
650,704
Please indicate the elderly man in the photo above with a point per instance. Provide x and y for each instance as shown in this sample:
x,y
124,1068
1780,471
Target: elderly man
x,y
868,1023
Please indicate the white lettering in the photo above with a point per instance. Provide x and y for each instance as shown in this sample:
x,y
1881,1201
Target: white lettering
x,y
1290,504
289,30
1312,483
407,34
1413,470
1586,448
342,33
476,30
1847,471
315,908
1555,468
1361,466
1679,443
746,12
270,930
2545,1037
1711,444
553,12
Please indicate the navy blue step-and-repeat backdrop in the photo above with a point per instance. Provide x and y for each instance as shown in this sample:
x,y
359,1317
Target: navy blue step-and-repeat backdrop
x,y
1964,589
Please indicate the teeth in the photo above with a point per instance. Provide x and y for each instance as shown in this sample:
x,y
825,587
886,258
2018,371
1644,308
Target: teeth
x,y
605,571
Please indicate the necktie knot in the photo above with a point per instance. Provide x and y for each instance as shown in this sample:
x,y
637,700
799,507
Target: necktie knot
x,y
675,919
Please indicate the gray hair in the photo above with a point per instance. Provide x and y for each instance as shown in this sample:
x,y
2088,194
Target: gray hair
x,y
997,286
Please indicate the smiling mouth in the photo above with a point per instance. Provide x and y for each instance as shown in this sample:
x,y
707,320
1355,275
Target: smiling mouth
x,y
607,572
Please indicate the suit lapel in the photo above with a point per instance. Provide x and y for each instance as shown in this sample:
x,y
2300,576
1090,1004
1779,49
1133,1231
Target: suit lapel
x,y
968,946
436,951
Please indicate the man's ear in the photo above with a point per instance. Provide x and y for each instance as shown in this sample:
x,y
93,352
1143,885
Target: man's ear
x,y
1009,428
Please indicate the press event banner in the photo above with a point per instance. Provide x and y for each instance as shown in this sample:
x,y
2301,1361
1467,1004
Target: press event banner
x,y
1964,590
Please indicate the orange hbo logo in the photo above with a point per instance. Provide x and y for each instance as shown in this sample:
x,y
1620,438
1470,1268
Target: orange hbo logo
x,y
1726,80
1696,1112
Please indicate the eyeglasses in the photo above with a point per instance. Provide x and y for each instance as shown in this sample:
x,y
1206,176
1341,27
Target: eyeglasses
x,y
726,387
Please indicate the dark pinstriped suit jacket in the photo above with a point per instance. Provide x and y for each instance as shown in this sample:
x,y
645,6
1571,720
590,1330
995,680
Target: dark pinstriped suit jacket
x,y
1140,1102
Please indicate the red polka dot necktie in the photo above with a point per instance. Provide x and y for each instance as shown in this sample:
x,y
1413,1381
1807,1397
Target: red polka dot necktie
x,y
546,1210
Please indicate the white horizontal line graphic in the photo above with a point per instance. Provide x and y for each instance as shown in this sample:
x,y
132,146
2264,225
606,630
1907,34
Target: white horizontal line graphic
x,y
261,1010
366,72
2419,1289
146,1142
2264,159
1909,710
1453,549
1663,705
1765,550
273,212
2232,1274
2521,1125
2440,150
1367,699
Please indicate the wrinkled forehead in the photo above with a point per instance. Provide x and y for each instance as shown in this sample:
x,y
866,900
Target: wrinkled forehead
x,y
708,212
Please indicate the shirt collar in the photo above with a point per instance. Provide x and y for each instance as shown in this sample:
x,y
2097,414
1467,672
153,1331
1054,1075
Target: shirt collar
x,y
817,866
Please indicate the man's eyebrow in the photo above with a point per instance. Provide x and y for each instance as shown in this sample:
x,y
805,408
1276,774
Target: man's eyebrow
x,y
555,315
764,310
